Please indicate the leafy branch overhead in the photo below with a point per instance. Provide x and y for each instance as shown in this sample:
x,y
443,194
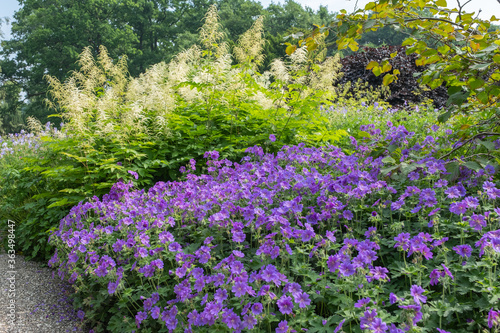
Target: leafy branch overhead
x,y
458,48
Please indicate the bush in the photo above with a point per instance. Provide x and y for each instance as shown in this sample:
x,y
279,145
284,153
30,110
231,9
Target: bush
x,y
406,89
307,238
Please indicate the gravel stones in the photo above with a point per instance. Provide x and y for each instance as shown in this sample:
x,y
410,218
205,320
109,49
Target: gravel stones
x,y
42,303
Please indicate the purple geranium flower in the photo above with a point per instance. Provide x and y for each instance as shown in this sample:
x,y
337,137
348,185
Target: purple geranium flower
x,y
285,304
416,292
463,250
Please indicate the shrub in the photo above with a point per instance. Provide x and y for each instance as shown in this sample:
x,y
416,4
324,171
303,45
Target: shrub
x,y
307,238
406,89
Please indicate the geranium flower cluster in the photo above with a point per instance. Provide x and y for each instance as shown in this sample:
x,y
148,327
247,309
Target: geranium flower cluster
x,y
309,236
25,142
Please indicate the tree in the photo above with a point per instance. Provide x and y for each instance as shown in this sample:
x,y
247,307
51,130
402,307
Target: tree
x,y
48,36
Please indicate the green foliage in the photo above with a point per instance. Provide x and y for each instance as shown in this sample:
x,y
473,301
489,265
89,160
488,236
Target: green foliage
x,y
46,40
11,120
466,57
462,54
156,123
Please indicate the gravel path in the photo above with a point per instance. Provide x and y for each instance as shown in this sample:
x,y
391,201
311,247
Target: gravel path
x,y
41,302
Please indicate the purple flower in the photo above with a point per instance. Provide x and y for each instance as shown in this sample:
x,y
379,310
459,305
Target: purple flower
x,y
165,236
413,176
463,250
174,247
285,304
272,138
447,272
80,314
112,287
294,288
249,322
366,321
370,232
442,331
339,326
220,295
218,280
303,300
140,317
155,312
493,318
347,269
441,183
231,319
458,207
434,276
397,204
238,237
471,202
378,326
490,169
416,292
133,173
257,308
282,327
379,273
330,236
240,289
393,298
402,241
452,193
347,214
333,263
477,222
362,302
434,211
72,257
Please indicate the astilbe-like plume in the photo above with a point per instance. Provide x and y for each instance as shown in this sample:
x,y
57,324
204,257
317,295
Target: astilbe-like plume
x,y
326,75
150,92
251,44
34,125
280,71
298,59
211,32
93,94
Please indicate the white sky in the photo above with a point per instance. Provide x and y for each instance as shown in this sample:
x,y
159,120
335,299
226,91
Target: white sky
x,y
488,7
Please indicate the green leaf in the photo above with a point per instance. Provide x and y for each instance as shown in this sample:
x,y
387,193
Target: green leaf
x,y
453,170
488,145
473,165
388,159
364,134
58,203
443,117
385,171
458,98
371,65
481,67
388,78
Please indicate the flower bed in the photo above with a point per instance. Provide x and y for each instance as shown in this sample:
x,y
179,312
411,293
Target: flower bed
x,y
307,239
